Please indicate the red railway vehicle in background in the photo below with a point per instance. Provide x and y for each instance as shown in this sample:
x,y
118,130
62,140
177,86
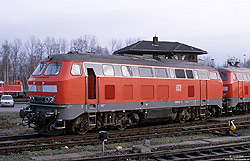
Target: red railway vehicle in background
x,y
13,88
79,92
236,89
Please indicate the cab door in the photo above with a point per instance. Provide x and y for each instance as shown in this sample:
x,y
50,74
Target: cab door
x,y
203,92
241,90
240,86
92,89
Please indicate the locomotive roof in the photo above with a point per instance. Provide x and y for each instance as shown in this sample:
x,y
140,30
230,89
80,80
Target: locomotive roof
x,y
125,60
233,69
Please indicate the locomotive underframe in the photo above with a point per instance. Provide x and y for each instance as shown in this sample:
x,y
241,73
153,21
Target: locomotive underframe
x,y
238,105
81,118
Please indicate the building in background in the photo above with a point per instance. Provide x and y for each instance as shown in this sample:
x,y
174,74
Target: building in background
x,y
162,50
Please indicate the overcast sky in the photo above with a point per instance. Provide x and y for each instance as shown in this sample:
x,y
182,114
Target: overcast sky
x,y
221,27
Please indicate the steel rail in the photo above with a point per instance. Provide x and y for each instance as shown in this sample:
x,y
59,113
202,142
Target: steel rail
x,y
92,139
199,153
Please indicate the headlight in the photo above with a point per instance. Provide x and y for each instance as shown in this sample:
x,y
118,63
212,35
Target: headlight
x,y
49,99
32,98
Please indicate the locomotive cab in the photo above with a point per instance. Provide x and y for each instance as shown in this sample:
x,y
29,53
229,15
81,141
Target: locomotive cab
x,y
54,87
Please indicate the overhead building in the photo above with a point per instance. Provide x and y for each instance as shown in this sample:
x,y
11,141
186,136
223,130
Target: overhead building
x,y
162,49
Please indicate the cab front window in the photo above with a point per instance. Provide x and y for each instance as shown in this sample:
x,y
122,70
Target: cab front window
x,y
223,76
53,68
39,69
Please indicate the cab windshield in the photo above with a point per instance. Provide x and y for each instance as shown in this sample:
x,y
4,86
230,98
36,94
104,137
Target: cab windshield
x,y
53,68
223,76
39,69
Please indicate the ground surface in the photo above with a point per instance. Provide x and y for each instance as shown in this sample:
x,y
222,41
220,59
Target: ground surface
x,y
16,108
10,124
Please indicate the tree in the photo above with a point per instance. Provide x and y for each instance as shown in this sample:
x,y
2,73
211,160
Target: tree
x,y
5,52
35,50
24,62
16,46
19,59
206,60
132,40
101,50
54,46
83,44
115,44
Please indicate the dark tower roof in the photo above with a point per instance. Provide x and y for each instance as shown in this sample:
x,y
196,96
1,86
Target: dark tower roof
x,y
156,47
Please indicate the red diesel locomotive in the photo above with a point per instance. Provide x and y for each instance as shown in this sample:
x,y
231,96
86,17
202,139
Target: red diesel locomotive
x,y
14,88
79,92
236,86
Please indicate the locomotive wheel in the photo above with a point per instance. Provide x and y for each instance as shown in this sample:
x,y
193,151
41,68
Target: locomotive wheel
x,y
192,115
123,123
245,109
134,119
183,115
214,112
81,125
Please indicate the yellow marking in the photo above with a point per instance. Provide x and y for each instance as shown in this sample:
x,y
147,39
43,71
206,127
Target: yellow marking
x,y
232,127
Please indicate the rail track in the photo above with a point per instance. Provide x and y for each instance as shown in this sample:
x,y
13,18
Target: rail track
x,y
18,137
146,128
218,152
36,142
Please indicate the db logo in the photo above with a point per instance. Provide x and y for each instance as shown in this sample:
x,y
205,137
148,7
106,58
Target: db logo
x,y
39,88
178,87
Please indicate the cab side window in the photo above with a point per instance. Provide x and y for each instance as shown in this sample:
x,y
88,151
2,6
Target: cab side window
x,y
108,70
234,77
171,73
245,77
239,76
189,74
145,72
203,74
127,71
180,73
195,73
76,69
213,75
161,73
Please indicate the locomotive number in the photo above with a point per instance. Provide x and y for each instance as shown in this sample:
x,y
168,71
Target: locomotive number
x,y
178,87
